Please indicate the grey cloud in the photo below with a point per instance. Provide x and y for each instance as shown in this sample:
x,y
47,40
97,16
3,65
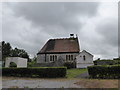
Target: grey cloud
x,y
61,14
109,31
31,24
119,28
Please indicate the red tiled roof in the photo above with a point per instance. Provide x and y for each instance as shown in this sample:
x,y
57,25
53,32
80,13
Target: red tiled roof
x,y
61,45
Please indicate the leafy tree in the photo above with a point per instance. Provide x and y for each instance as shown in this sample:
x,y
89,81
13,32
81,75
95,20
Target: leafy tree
x,y
6,49
33,62
19,53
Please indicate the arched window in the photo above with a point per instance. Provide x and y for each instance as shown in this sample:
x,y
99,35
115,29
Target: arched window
x,y
50,58
66,57
84,58
71,57
55,58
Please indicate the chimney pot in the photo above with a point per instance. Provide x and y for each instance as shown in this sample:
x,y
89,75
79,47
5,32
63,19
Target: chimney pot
x,y
71,35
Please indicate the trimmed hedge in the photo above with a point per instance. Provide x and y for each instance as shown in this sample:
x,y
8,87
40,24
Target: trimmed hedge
x,y
107,62
104,71
104,62
117,61
42,72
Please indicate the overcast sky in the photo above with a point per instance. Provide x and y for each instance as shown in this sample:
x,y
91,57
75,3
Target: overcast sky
x,y
29,25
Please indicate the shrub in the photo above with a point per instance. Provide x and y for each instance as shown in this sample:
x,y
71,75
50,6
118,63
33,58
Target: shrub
x,y
104,71
46,72
117,61
32,63
69,65
104,62
12,64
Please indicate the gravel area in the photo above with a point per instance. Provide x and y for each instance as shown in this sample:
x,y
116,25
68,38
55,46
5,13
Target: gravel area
x,y
15,82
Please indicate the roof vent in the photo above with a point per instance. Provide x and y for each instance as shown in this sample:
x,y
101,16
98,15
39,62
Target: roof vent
x,y
71,35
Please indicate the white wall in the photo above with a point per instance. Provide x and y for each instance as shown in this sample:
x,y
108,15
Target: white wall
x,y
21,62
10,59
81,63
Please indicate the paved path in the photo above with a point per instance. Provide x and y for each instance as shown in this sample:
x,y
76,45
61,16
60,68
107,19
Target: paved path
x,y
11,82
83,75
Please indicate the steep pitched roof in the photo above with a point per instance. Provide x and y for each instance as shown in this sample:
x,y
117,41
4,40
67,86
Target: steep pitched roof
x,y
61,46
86,52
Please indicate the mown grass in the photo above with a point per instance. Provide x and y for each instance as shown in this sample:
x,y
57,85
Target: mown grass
x,y
71,73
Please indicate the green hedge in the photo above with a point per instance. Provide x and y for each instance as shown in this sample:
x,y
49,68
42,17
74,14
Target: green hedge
x,y
42,72
104,71
117,61
106,62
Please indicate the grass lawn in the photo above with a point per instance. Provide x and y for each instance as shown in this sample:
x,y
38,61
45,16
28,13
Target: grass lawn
x,y
71,73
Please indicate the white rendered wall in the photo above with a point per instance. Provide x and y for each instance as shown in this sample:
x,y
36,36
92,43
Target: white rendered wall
x,y
20,62
81,63
10,59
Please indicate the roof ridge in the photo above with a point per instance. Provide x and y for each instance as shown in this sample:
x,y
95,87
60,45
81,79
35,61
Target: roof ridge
x,y
61,38
87,52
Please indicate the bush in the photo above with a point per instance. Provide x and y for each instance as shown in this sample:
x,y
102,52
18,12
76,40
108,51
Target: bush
x,y
12,64
46,72
117,61
31,64
104,62
104,71
70,65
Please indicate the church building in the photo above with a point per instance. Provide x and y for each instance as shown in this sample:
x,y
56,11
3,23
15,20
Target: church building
x,y
65,49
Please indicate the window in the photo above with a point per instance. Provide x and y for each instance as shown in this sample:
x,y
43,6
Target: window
x,y
69,58
53,58
66,57
50,58
84,58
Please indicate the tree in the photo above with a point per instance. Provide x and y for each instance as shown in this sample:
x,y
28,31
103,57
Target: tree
x,y
19,53
6,49
33,62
